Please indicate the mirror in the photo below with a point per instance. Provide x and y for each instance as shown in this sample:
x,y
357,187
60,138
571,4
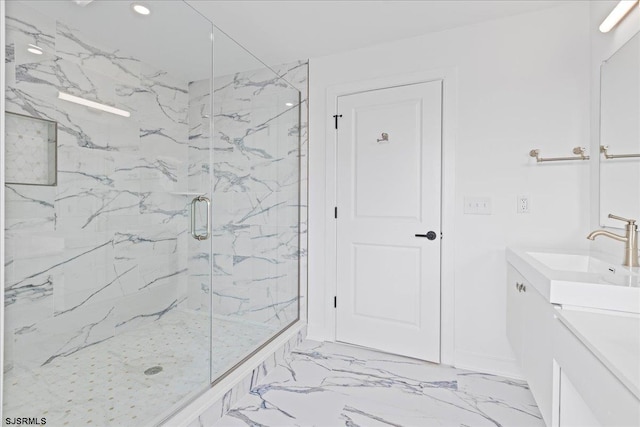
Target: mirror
x,y
620,134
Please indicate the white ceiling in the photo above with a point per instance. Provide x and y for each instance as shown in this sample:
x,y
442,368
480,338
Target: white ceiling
x,y
283,31
177,39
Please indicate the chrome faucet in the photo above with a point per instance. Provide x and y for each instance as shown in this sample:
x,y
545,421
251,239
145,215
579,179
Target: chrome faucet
x,y
631,240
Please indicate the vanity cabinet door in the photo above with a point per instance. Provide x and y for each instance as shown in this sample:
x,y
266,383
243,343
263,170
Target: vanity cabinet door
x,y
537,354
529,330
515,312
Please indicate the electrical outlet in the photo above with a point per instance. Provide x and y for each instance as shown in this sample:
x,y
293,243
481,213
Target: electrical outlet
x,y
477,205
524,204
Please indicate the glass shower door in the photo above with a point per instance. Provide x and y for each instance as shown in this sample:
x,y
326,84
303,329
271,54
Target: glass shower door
x,y
256,191
108,257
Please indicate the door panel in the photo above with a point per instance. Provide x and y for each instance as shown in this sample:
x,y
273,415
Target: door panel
x,y
376,194
388,191
372,278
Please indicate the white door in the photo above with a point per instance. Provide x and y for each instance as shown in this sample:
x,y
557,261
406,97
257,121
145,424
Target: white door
x,y
388,201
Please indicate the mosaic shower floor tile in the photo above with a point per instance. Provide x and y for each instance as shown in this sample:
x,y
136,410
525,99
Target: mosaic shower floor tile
x,y
134,377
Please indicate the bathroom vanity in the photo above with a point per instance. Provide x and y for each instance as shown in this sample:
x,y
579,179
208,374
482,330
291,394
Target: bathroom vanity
x,y
573,321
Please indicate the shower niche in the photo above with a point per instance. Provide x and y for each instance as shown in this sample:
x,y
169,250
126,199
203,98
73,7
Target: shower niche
x,y
30,150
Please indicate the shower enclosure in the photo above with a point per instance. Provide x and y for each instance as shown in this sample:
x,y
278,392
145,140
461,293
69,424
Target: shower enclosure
x,y
152,174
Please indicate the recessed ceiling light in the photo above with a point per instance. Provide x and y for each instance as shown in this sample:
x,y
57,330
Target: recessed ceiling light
x,y
34,49
289,104
141,9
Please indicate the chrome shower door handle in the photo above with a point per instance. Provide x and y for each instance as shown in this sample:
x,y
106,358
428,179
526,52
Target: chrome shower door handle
x,y
194,233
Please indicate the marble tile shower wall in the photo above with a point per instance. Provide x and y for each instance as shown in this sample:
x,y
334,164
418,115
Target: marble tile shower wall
x,y
106,250
259,221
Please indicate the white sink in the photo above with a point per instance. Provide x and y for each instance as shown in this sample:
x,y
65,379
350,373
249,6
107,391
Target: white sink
x,y
578,278
607,271
569,262
581,263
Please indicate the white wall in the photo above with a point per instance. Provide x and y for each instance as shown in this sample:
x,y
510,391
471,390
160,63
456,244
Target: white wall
x,y
522,83
603,45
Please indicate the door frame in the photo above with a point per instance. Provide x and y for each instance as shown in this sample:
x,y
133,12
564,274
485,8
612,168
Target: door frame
x,y
448,201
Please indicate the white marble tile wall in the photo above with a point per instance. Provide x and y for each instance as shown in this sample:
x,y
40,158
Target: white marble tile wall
x,y
106,250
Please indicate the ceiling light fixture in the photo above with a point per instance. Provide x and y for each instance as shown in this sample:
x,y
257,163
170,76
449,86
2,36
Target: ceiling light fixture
x,y
616,15
36,50
92,104
289,104
140,8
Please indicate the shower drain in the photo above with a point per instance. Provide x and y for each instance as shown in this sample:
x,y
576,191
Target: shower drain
x,y
153,370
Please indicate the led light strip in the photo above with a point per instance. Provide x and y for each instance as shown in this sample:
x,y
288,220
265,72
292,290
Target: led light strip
x,y
92,104
617,14
36,50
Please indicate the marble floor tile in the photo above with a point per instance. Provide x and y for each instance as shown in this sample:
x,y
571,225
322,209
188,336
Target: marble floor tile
x,y
329,384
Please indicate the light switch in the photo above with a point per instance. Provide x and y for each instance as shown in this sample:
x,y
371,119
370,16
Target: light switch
x,y
477,205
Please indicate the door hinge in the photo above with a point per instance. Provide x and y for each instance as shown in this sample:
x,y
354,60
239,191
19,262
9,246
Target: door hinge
x,y
335,212
336,116
335,302
441,235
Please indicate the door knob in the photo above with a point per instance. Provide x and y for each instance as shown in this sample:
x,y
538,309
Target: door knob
x,y
431,235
